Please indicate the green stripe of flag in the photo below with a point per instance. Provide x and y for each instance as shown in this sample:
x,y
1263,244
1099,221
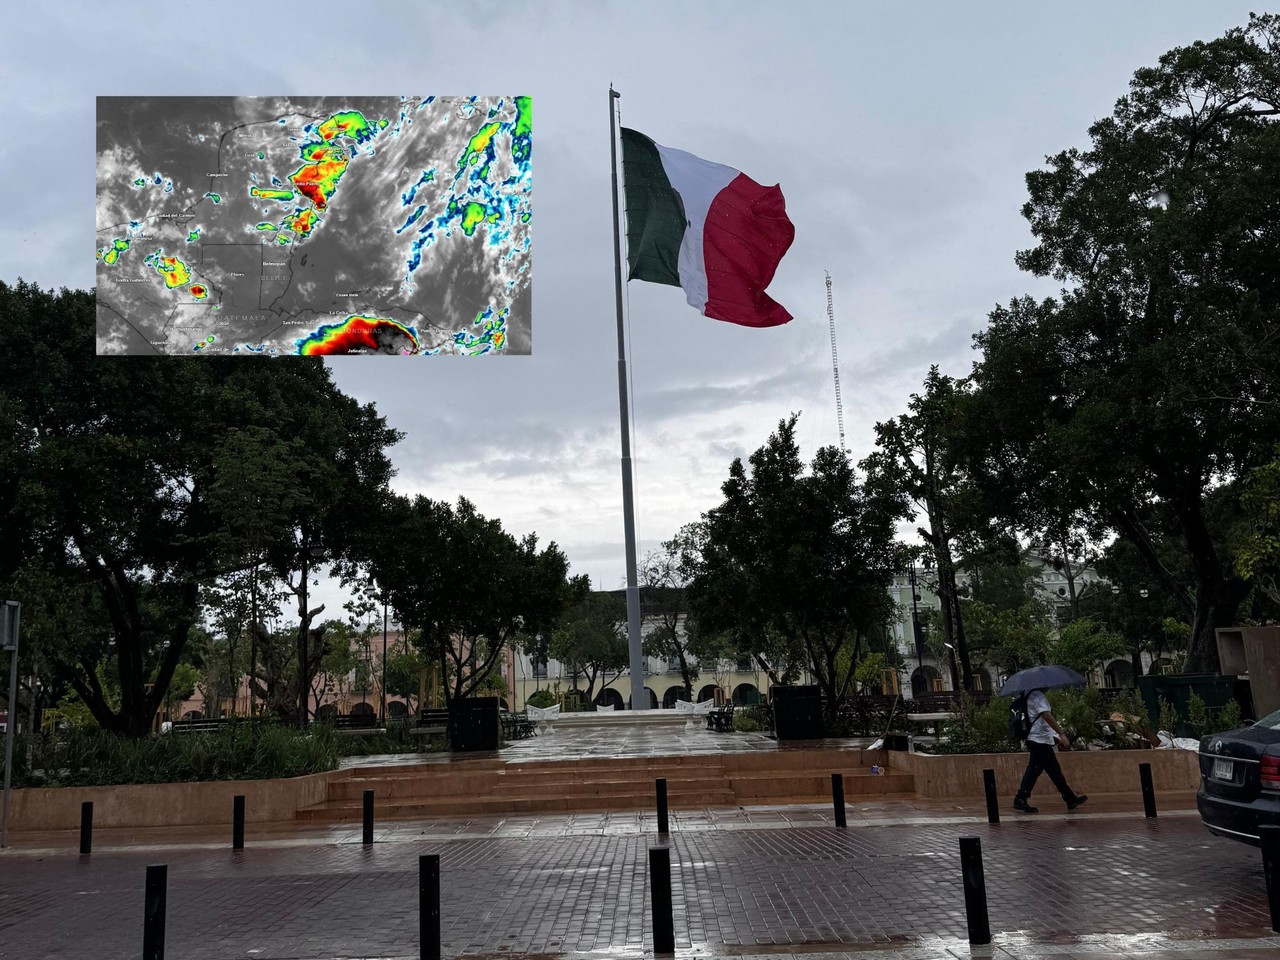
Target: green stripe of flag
x,y
655,216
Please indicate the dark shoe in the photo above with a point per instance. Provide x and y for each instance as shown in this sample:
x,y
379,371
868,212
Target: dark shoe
x,y
1072,804
1023,807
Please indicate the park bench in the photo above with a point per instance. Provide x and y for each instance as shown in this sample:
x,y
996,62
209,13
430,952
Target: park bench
x,y
206,725
720,719
357,721
433,720
515,726
543,716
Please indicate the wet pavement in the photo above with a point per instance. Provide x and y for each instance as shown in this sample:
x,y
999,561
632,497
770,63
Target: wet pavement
x,y
750,881
759,881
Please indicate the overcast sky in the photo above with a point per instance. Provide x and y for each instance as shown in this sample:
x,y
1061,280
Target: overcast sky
x,y
900,134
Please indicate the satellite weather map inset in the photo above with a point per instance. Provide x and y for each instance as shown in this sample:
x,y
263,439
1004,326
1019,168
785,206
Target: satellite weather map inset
x,y
314,225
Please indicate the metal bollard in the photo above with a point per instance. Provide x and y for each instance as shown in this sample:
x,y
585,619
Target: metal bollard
x,y
86,828
664,927
993,804
1148,790
975,891
368,816
429,905
1270,837
237,822
837,797
153,913
661,784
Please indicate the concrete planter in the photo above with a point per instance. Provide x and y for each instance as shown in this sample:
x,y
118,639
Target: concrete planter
x,y
204,803
956,776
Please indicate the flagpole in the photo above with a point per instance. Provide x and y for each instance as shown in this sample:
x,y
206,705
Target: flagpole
x,y
638,699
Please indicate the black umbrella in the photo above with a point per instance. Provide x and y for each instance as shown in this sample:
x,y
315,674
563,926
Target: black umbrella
x,y
1049,677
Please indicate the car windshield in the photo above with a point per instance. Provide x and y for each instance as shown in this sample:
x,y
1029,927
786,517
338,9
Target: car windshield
x,y
1271,721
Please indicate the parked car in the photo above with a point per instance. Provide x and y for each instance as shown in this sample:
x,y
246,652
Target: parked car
x,y
1240,780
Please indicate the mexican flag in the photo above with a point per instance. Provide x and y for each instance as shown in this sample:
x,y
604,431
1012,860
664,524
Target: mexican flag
x,y
706,228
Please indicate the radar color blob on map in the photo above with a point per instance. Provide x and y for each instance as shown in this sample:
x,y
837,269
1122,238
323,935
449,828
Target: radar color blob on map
x,y
270,194
173,270
360,334
350,123
113,252
198,290
318,181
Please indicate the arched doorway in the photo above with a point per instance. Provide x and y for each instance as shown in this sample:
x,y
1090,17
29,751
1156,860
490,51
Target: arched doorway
x,y
746,695
708,692
925,679
653,698
362,709
981,680
609,697
1119,673
396,709
326,711
672,695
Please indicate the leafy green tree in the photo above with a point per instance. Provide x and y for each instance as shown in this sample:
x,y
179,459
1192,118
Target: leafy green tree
x,y
1152,378
663,579
1083,644
804,558
591,641
111,481
465,586
919,458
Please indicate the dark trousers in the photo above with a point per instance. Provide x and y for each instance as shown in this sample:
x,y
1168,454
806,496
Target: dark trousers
x,y
1043,760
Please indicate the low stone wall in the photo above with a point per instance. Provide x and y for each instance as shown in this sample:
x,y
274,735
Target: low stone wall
x,y
167,804
953,776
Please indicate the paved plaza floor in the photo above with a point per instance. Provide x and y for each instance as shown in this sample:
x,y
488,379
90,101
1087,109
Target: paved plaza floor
x,y
759,882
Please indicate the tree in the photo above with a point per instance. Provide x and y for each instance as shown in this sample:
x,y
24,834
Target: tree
x,y
466,586
591,641
112,478
1153,378
804,558
663,578
919,459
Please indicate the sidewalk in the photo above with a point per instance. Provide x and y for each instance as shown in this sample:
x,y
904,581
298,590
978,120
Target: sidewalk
x,y
760,882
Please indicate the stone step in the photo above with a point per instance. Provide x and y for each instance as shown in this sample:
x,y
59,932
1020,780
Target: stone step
x,y
424,807
767,786
498,785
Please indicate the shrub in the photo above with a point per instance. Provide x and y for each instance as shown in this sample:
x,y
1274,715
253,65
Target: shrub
x,y
744,723
1229,717
241,750
541,698
978,728
1168,716
1197,714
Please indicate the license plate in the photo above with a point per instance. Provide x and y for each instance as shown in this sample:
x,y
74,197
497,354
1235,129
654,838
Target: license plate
x,y
1223,770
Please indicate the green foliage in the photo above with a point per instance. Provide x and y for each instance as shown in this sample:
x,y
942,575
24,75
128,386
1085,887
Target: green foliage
x,y
466,586
121,488
1228,718
1197,713
743,722
794,565
239,751
869,672
1083,644
1168,718
978,727
399,738
1078,712
541,698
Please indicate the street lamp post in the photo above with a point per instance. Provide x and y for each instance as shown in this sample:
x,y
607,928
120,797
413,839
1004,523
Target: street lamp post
x,y
1136,654
955,673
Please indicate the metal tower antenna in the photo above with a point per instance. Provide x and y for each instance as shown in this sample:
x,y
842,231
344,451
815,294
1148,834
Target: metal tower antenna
x,y
835,363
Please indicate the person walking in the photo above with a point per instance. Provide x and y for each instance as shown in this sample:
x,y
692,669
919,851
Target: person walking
x,y
1044,732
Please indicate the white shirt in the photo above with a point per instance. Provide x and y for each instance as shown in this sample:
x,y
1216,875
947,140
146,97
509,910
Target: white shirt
x,y
1041,732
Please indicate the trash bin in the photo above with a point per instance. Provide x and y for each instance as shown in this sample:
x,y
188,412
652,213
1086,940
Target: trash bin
x,y
797,712
474,724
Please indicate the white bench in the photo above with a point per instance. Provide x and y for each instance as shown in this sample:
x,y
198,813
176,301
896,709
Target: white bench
x,y
604,708
543,716
697,712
